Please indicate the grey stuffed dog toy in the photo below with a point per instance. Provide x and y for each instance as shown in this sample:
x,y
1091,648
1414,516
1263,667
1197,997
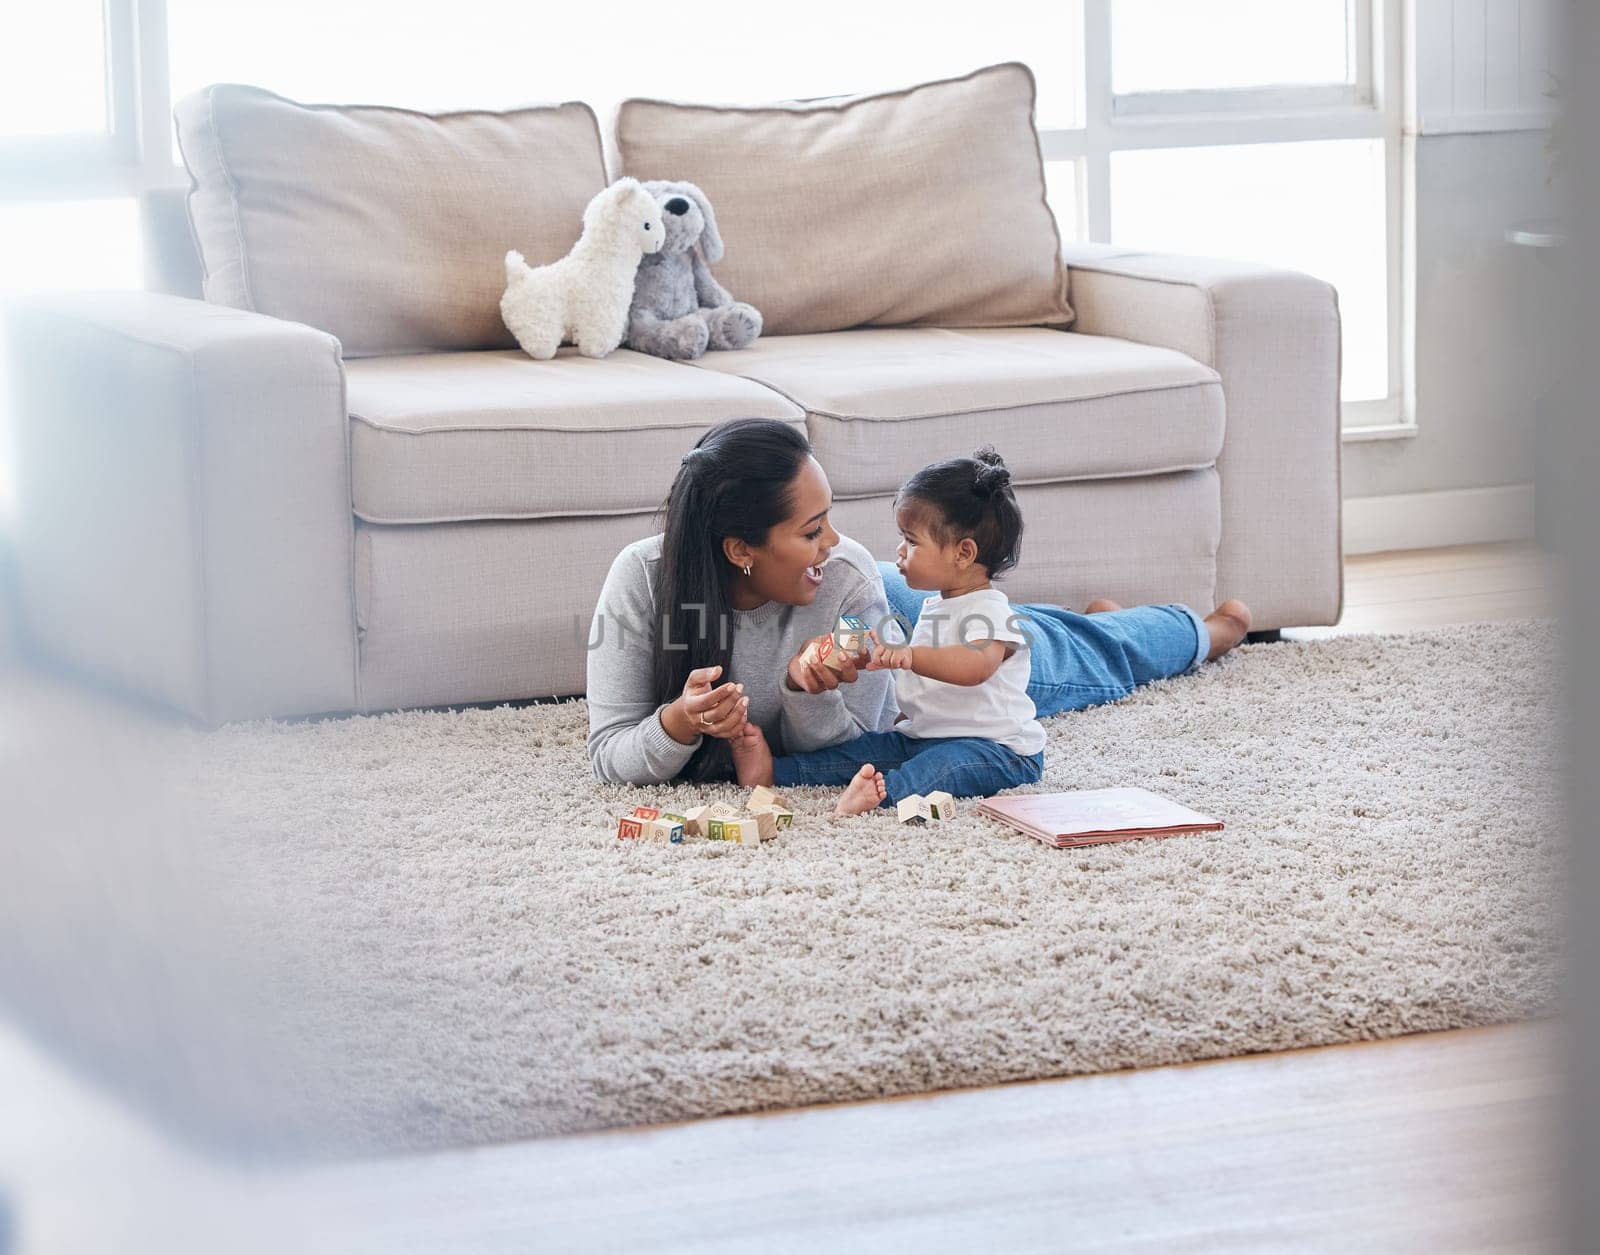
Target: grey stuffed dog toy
x,y
678,309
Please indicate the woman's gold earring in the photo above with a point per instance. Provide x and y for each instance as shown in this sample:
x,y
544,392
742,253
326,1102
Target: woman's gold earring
x,y
747,568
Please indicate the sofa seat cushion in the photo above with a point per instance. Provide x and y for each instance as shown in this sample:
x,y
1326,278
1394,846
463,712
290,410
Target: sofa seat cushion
x,y
1059,406
455,436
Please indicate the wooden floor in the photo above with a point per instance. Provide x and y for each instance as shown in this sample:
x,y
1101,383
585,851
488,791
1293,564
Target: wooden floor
x,y
1401,592
1438,1142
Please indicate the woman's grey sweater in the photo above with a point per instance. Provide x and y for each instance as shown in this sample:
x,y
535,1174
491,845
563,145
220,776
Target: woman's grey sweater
x,y
628,745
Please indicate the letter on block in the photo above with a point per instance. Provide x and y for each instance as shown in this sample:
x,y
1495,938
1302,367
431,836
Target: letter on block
x,y
647,812
629,827
941,805
730,829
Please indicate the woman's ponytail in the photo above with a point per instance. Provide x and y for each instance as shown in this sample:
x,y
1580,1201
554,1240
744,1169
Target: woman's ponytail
x,y
737,481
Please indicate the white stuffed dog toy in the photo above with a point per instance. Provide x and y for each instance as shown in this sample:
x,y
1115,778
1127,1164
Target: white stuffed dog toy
x,y
584,297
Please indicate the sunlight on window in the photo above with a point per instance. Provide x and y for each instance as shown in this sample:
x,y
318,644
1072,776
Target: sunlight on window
x,y
1178,45
72,245
1061,190
497,53
52,69
1319,207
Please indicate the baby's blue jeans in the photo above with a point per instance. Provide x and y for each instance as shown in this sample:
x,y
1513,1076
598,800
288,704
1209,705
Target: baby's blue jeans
x,y
1081,660
1078,660
959,765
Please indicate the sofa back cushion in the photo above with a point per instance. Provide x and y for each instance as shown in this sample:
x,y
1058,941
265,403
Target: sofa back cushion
x,y
917,207
385,227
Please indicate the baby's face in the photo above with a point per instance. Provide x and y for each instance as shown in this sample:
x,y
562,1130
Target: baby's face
x,y
921,559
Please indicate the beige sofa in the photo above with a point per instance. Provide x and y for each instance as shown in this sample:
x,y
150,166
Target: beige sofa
x,y
223,509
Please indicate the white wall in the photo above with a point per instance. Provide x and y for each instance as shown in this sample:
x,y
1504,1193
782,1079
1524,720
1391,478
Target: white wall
x,y
1476,117
1483,65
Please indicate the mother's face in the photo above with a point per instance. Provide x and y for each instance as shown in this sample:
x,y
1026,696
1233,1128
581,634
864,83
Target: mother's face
x,y
788,568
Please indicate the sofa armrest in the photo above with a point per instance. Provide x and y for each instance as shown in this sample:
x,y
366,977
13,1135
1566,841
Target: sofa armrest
x,y
1273,337
184,526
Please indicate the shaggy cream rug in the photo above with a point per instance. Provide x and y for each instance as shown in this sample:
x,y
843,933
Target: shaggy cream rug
x,y
420,929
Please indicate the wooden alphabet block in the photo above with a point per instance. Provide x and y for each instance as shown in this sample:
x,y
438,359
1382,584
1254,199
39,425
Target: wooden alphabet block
x,y
663,829
732,830
941,805
694,820
762,797
766,823
823,650
773,819
724,810
914,809
630,827
850,634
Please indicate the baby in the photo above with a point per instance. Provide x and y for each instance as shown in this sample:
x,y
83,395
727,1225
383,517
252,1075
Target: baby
x,y
967,725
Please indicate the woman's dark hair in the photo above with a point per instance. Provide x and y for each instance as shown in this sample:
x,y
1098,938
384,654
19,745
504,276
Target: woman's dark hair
x,y
972,497
737,481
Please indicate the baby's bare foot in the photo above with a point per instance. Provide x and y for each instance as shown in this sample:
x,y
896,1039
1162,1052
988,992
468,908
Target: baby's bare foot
x,y
1101,604
752,757
1229,624
864,793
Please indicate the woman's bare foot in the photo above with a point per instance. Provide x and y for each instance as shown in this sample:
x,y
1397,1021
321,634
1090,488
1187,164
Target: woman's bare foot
x,y
863,794
1101,604
1228,624
752,756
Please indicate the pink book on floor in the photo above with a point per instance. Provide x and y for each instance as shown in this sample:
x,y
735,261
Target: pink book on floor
x,y
1095,815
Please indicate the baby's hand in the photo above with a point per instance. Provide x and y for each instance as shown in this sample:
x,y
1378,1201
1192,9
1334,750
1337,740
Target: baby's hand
x,y
889,657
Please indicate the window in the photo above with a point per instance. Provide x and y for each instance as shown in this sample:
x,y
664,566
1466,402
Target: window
x,y
1256,130
500,53
52,71
1229,45
1314,205
1247,128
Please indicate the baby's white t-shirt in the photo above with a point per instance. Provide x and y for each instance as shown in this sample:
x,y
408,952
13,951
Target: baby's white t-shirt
x,y
999,709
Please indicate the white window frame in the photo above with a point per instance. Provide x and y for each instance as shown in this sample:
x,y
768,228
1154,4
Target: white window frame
x,y
135,151
1373,107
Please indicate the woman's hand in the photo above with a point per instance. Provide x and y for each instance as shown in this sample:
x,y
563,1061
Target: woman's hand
x,y
889,657
807,676
702,710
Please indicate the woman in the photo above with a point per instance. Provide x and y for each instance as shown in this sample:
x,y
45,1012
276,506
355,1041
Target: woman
x,y
704,626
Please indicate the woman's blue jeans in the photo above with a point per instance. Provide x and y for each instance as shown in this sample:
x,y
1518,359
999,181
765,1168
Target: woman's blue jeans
x,y
1082,660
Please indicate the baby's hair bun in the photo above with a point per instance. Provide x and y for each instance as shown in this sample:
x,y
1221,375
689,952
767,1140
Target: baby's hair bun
x,y
991,475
